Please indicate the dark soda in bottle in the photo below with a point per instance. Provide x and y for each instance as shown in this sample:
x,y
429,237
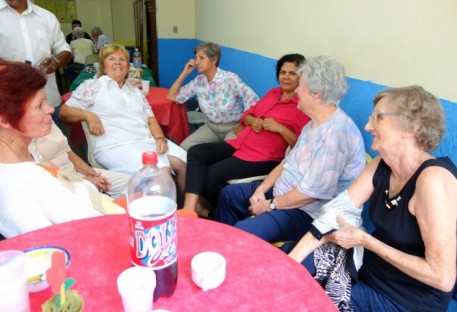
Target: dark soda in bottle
x,y
151,202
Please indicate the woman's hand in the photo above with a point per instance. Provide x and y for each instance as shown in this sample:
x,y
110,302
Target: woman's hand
x,y
259,204
95,125
347,236
260,207
257,124
101,183
161,145
257,196
272,125
189,67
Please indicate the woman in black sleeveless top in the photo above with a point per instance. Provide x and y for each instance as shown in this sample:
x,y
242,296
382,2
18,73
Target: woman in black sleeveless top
x,y
409,261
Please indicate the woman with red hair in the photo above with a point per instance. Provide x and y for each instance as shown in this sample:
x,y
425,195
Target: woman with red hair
x,y
31,197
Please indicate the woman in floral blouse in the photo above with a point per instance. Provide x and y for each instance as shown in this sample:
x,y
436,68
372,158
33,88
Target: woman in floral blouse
x,y
222,95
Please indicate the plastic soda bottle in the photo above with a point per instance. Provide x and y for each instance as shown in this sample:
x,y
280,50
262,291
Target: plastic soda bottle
x,y
151,205
137,62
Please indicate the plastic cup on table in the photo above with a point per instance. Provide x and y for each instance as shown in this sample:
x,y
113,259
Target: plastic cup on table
x,y
145,87
208,270
13,282
136,286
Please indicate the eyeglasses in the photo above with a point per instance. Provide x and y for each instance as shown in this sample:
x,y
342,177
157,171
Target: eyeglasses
x,y
374,115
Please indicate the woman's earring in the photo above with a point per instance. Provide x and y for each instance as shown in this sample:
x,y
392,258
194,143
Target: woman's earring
x,y
11,138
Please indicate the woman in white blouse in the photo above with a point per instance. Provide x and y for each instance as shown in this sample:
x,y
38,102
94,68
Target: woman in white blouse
x,y
31,197
121,120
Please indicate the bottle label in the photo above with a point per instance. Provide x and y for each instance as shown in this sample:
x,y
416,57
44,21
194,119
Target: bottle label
x,y
153,235
137,62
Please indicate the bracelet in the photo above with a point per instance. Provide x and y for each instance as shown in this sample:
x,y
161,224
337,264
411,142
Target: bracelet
x,y
161,138
55,59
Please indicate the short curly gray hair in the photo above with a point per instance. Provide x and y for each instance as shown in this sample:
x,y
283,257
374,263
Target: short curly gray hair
x,y
211,49
417,108
325,75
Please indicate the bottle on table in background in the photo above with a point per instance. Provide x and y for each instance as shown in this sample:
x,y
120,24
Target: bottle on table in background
x,y
151,206
137,62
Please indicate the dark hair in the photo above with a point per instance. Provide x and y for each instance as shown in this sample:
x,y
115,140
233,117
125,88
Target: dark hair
x,y
19,82
76,22
289,58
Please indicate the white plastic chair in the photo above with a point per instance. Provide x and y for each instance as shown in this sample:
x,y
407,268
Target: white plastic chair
x,y
92,58
90,147
254,178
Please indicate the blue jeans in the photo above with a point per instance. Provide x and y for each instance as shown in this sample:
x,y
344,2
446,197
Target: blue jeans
x,y
363,297
273,226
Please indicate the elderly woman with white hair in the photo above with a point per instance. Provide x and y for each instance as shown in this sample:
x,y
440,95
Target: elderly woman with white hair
x,y
100,38
328,156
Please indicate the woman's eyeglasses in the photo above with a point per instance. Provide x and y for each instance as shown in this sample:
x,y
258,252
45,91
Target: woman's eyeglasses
x,y
374,115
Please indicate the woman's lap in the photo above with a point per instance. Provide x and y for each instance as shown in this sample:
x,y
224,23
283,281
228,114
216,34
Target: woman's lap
x,y
127,158
232,168
278,225
365,298
199,159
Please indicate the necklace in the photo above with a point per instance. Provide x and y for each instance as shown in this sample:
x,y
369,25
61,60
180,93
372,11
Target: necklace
x,y
394,200
391,202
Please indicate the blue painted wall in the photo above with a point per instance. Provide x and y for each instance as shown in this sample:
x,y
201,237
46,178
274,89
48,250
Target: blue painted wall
x,y
259,73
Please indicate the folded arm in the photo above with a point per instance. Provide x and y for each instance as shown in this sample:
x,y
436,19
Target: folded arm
x,y
73,114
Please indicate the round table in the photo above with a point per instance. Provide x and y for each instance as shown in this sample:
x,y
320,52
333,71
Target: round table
x,y
260,277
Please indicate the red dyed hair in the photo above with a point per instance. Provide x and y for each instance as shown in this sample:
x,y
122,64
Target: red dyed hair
x,y
19,82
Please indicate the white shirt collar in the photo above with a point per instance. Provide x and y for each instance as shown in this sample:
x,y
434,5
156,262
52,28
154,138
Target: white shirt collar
x,y
30,7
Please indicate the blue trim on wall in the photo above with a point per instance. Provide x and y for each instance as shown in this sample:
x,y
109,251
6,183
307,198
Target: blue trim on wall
x,y
255,70
259,73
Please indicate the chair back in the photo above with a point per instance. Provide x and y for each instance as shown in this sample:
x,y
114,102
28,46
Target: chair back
x,y
90,147
92,58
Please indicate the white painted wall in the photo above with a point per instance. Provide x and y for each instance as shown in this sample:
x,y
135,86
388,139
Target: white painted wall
x,y
179,13
94,13
389,42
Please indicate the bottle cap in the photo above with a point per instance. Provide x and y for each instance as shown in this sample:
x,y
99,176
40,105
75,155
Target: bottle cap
x,y
149,158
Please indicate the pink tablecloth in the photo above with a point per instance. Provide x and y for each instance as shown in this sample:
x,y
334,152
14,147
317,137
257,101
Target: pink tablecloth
x,y
172,117
259,276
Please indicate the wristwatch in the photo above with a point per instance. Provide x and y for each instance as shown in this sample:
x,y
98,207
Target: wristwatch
x,y
272,204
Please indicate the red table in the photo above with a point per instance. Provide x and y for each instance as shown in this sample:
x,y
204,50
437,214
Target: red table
x,y
260,277
172,117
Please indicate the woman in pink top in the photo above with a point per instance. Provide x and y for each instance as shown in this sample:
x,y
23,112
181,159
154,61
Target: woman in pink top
x,y
265,131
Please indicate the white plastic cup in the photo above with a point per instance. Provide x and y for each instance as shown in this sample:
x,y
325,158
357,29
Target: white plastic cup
x,y
145,87
208,270
13,282
136,286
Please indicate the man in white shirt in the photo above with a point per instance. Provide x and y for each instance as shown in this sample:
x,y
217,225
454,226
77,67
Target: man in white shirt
x,y
32,34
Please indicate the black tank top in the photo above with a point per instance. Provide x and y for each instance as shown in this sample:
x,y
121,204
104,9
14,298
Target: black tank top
x,y
398,228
